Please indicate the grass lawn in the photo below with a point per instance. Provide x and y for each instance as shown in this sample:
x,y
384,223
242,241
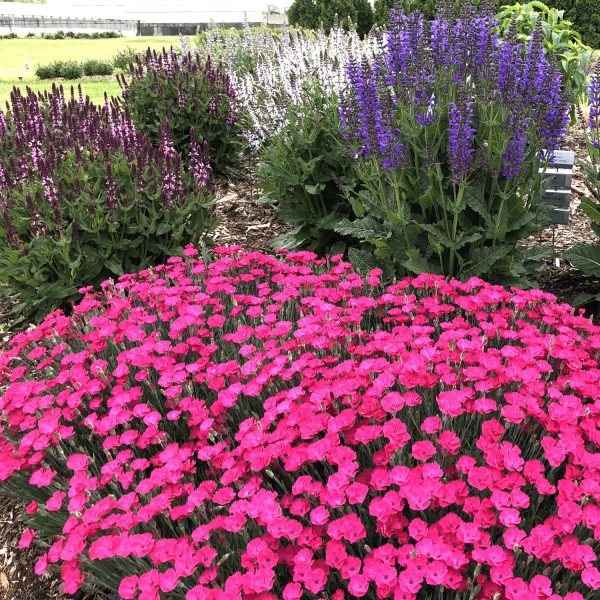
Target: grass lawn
x,y
93,87
35,51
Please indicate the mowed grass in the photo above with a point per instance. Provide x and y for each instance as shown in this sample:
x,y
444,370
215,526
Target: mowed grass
x,y
15,54
93,87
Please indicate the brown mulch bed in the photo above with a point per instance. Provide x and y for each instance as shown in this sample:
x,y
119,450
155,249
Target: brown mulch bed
x,y
244,222
558,277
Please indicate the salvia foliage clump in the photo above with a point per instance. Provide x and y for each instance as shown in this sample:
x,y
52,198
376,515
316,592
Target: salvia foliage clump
x,y
190,92
586,256
449,126
85,196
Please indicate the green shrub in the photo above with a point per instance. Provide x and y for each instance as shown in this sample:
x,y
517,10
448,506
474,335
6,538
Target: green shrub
x,y
51,71
88,199
187,92
307,173
559,38
97,67
60,68
428,8
123,58
71,70
313,14
585,15
59,35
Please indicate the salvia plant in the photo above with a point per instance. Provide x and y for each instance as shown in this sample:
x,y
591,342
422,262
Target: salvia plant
x,y
263,428
238,50
561,41
189,92
280,77
449,126
306,172
84,196
586,257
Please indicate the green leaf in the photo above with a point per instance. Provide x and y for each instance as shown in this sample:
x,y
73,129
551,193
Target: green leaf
x,y
314,190
584,298
357,207
475,201
362,260
362,229
163,228
481,260
416,263
591,208
536,254
586,258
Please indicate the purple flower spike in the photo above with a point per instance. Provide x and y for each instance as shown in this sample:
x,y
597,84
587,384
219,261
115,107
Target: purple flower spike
x,y
461,136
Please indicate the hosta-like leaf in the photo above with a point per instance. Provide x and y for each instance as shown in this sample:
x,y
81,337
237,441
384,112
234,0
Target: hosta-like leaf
x,y
586,258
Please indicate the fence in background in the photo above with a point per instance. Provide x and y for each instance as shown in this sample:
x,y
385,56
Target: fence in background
x,y
22,25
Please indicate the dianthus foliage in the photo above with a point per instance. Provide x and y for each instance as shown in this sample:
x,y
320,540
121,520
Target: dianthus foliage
x,y
85,196
265,428
189,92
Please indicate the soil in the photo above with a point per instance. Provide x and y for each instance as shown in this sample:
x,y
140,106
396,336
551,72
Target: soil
x,y
244,222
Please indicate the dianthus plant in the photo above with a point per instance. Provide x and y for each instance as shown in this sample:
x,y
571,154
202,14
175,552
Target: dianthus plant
x,y
449,126
261,428
280,77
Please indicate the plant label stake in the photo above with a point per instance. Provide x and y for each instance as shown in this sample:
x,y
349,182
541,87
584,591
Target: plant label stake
x,y
559,175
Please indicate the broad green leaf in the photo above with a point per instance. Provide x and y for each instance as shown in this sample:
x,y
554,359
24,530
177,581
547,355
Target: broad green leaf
x,y
586,258
362,260
591,208
416,263
481,260
362,229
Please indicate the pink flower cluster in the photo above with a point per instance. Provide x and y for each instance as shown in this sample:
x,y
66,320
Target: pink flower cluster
x,y
264,428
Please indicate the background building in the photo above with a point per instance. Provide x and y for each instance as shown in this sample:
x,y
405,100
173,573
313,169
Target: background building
x,y
132,17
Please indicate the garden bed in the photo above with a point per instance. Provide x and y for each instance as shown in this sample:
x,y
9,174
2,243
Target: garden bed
x,y
243,221
261,424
